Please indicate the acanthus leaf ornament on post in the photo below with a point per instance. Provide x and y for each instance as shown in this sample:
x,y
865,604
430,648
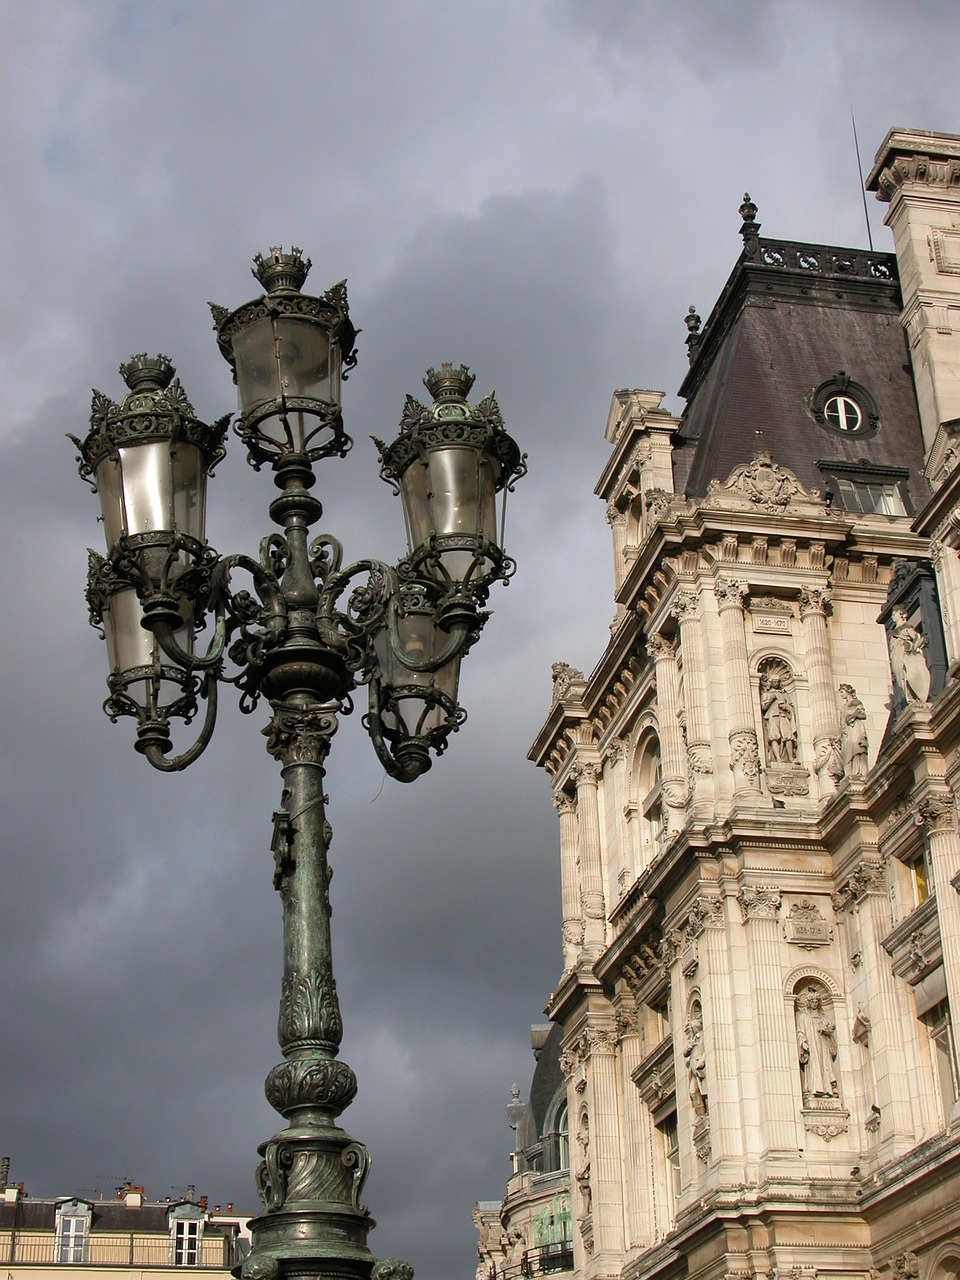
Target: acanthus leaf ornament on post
x,y
303,631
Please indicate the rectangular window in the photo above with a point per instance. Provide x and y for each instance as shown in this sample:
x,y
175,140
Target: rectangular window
x,y
870,497
186,1242
670,1140
937,1021
72,1239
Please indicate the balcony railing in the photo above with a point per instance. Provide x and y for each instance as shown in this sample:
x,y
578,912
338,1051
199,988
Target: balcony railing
x,y
547,1259
115,1250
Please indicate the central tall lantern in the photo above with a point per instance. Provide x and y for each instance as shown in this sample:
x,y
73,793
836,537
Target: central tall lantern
x,y
304,633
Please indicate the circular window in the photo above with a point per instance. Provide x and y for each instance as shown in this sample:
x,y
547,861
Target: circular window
x,y
843,413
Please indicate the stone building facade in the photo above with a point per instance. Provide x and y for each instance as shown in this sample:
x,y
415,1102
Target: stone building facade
x,y
756,786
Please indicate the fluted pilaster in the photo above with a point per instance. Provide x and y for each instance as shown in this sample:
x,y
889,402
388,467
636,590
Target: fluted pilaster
x,y
824,720
686,609
776,1078
744,750
591,867
672,754
569,879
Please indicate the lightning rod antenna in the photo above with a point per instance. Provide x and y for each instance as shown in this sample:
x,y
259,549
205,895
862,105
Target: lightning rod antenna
x,y
863,193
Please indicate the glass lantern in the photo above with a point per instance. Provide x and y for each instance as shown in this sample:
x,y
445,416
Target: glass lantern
x,y
450,463
287,351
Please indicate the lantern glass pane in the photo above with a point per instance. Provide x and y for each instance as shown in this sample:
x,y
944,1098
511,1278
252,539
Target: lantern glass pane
x,y
128,644
189,490
258,376
416,504
111,501
456,490
146,480
303,352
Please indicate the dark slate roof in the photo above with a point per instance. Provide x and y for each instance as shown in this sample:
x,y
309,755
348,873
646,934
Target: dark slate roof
x,y
547,1077
29,1214
790,317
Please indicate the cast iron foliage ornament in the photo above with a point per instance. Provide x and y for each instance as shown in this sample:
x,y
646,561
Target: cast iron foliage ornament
x,y
304,631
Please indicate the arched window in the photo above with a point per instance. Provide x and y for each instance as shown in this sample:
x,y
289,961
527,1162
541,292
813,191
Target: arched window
x,y
653,828
563,1138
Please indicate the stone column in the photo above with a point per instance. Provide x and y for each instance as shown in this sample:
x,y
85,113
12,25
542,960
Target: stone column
x,y
864,894
708,926
686,609
619,852
775,1058
591,867
617,520
744,750
937,815
825,723
672,762
569,879
606,1150
635,1155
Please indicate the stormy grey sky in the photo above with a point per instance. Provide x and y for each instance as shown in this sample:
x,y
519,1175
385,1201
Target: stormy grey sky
x,y
537,189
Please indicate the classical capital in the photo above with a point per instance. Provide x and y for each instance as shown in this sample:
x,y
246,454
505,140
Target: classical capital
x,y
935,813
706,913
758,902
614,514
731,593
660,647
585,774
564,802
814,599
686,606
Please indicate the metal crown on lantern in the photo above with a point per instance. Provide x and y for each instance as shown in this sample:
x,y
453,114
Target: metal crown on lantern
x,y
308,633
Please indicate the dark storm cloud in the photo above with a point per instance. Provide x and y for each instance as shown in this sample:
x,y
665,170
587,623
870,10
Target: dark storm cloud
x,y
538,191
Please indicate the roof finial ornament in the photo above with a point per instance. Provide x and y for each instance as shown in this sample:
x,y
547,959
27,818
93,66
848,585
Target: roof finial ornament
x,y
750,230
692,321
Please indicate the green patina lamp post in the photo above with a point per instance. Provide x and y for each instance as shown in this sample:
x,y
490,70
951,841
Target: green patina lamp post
x,y
308,634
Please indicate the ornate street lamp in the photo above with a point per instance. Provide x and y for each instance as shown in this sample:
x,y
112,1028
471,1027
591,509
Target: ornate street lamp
x,y
308,634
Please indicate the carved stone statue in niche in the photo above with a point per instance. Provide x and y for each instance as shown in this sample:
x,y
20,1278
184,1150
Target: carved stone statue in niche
x,y
853,733
779,716
816,1045
696,1060
906,658
583,1173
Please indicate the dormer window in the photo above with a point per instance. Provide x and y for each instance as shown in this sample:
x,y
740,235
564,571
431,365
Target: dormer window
x,y
843,406
186,1235
72,1231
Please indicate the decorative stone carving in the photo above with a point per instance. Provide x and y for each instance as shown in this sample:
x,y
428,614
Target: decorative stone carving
x,y
814,600
865,877
758,902
563,677
701,1138
779,713
657,502
564,802
906,1265
788,780
698,758
854,745
806,926
659,647
906,659
935,813
706,913
686,606
762,484
745,754
731,593
695,1058
816,1045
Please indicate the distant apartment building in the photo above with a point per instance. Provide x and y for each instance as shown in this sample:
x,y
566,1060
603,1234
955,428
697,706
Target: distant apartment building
x,y
42,1237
